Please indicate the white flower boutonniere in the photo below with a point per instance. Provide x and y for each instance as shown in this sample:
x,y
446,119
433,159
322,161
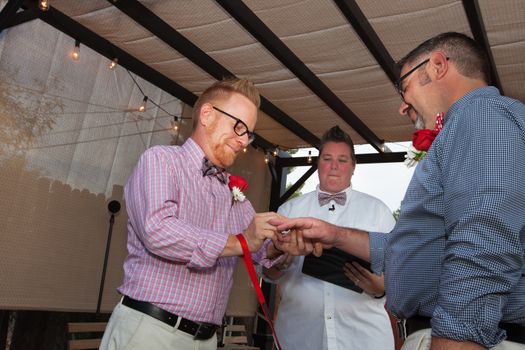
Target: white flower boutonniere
x,y
238,195
413,156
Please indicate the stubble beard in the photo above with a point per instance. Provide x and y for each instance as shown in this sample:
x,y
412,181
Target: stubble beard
x,y
226,158
219,149
419,124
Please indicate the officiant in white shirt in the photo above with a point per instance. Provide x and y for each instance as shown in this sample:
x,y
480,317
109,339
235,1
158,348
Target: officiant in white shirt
x,y
314,314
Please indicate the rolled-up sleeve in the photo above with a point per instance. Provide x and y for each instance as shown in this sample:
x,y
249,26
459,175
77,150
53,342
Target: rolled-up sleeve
x,y
378,242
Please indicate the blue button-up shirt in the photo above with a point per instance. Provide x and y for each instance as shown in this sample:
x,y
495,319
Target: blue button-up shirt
x,y
457,251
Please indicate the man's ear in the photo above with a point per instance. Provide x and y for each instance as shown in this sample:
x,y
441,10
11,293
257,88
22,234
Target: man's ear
x,y
206,114
439,63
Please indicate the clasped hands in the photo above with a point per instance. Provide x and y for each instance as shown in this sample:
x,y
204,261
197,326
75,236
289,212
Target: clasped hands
x,y
292,236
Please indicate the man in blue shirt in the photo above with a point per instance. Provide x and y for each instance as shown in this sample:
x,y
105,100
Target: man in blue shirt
x,y
455,259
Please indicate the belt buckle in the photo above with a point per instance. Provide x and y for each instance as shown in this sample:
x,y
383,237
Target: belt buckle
x,y
202,332
401,328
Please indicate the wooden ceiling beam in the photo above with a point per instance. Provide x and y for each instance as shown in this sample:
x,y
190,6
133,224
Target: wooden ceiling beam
x,y
369,37
390,157
9,16
477,27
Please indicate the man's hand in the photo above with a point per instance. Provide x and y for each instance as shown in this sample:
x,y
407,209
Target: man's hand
x,y
294,243
370,282
260,229
310,228
324,235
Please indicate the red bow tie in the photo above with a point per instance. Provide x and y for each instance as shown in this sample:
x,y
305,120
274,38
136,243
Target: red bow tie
x,y
325,198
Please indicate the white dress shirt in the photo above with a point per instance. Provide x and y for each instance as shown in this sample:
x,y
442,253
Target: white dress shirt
x,y
314,314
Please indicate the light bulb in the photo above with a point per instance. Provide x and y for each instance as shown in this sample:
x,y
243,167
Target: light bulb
x,y
75,54
43,5
245,149
309,159
275,152
142,106
266,158
175,123
113,63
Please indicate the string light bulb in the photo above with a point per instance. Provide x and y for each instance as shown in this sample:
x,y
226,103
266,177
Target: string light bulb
x,y
142,106
75,54
113,63
309,159
43,5
175,123
245,149
266,158
275,151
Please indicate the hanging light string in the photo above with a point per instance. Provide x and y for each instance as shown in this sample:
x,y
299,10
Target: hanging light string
x,y
176,118
273,151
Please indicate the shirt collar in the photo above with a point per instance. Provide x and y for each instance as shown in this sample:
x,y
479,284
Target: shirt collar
x,y
459,104
194,153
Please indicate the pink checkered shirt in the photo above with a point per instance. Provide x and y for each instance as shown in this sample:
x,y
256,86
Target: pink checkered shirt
x,y
179,222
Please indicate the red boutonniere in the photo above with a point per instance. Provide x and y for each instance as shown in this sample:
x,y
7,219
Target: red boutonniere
x,y
422,139
237,185
421,142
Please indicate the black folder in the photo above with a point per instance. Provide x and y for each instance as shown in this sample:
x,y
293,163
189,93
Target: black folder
x,y
329,267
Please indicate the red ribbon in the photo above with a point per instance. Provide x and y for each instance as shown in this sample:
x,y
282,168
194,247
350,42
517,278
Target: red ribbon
x,y
246,257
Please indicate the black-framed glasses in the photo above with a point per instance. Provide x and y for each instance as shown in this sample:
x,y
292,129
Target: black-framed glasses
x,y
399,81
240,127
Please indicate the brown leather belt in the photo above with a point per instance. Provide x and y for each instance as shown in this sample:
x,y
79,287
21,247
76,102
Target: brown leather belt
x,y
515,332
200,331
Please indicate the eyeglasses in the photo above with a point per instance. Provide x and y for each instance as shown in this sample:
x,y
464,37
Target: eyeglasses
x,y
398,82
240,127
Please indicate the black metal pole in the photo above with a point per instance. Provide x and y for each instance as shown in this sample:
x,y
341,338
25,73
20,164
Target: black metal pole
x,y
4,326
113,207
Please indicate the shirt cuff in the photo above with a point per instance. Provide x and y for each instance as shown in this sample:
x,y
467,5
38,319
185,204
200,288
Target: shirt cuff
x,y
264,261
377,243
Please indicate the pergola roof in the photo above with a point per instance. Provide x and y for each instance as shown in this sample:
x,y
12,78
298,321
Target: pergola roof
x,y
316,63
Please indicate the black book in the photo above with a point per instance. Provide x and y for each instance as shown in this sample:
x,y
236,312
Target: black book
x,y
329,267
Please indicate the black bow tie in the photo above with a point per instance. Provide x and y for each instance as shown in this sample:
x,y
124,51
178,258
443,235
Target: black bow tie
x,y
208,169
325,198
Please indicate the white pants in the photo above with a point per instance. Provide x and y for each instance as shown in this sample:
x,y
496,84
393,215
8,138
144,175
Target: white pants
x,y
421,340
129,329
